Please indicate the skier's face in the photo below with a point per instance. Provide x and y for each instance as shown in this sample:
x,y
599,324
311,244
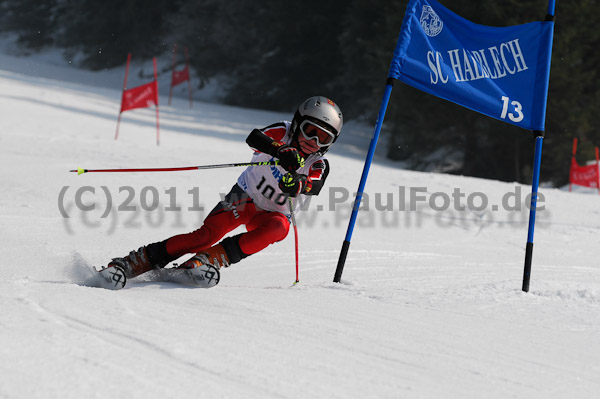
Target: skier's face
x,y
307,146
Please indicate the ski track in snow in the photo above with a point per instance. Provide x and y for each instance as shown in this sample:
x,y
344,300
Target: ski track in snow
x,y
429,306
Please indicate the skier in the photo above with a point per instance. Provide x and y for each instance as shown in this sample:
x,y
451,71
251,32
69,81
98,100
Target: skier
x,y
259,198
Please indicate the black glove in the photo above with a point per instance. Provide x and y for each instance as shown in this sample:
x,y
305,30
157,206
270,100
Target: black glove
x,y
293,183
289,158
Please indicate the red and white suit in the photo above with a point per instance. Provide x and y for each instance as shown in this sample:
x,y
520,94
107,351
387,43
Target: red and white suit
x,y
256,202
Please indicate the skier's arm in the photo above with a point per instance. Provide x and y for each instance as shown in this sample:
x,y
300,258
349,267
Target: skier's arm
x,y
268,141
317,174
261,142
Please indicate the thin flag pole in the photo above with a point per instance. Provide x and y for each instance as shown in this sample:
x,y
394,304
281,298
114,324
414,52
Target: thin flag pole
x,y
539,138
551,4
156,84
118,123
363,180
291,206
124,88
572,162
532,210
189,80
172,72
598,167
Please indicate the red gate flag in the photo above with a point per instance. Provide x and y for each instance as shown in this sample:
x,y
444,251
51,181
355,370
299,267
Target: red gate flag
x,y
588,175
178,77
139,97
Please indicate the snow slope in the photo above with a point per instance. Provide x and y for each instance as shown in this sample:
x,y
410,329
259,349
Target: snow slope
x,y
429,306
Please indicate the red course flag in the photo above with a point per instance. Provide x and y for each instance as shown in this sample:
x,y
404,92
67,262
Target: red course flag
x,y
140,97
588,175
180,76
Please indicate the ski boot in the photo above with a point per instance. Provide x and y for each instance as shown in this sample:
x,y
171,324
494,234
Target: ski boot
x,y
214,256
115,274
202,270
134,264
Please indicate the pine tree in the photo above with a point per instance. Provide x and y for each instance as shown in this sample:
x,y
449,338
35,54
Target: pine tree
x,y
106,31
33,21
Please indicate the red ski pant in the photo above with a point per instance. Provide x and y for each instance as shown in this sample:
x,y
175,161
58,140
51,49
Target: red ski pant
x,y
263,228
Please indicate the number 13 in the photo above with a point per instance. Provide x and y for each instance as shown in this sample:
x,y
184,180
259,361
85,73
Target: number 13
x,y
518,110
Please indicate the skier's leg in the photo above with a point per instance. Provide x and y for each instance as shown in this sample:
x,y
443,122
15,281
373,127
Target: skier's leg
x,y
264,229
235,210
213,229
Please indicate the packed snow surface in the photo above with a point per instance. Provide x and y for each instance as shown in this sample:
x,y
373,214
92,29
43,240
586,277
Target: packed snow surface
x,y
430,303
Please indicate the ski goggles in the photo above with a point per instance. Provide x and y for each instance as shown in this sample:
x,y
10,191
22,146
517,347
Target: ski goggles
x,y
311,130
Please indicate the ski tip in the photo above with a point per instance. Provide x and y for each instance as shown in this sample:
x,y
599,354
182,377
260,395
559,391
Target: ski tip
x,y
112,278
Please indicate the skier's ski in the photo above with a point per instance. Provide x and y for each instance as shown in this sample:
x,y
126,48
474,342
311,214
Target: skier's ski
x,y
112,278
205,276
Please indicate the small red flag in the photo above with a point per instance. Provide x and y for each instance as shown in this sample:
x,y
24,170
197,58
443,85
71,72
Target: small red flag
x,y
586,176
140,97
180,76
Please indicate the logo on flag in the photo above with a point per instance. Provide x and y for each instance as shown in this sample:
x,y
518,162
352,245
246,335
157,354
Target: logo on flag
x,y
431,23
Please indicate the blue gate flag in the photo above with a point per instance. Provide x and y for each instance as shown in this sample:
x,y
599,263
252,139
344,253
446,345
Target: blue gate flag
x,y
501,72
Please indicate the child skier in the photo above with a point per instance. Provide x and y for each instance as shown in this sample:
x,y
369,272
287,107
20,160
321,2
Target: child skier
x,y
259,198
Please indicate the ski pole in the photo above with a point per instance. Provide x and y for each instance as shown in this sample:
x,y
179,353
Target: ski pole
x,y
291,205
81,171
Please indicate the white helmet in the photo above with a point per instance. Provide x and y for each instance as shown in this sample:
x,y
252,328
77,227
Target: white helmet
x,y
321,111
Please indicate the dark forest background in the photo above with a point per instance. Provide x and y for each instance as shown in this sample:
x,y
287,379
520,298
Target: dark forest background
x,y
274,53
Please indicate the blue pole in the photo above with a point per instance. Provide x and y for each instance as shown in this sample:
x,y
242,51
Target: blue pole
x,y
551,4
539,138
537,161
363,180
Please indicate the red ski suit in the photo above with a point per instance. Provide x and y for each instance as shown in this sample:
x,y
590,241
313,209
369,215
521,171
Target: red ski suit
x,y
264,228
